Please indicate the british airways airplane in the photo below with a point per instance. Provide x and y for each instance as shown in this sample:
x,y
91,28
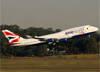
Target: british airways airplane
x,y
15,40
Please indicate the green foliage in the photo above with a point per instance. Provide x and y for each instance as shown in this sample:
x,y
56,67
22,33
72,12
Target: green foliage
x,y
91,46
41,50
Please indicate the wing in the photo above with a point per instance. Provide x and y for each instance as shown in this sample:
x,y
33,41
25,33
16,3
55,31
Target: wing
x,y
28,36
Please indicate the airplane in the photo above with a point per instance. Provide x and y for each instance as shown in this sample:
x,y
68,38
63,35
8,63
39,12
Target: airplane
x,y
15,40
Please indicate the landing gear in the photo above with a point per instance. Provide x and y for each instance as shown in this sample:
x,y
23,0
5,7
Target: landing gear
x,y
89,36
51,49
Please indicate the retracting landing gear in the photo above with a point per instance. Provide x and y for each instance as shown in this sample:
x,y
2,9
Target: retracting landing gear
x,y
51,49
89,36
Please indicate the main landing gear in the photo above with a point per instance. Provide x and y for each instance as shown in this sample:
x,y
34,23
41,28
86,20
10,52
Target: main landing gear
x,y
52,48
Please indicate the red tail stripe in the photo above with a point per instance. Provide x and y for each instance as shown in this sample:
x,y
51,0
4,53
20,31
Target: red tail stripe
x,y
16,40
7,33
8,44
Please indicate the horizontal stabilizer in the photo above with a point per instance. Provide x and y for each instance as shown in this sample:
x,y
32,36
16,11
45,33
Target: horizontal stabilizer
x,y
28,36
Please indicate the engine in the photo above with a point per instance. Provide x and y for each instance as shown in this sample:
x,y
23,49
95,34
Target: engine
x,y
63,39
50,40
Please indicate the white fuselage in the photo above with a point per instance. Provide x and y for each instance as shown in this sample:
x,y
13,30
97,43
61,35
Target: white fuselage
x,y
26,42
69,33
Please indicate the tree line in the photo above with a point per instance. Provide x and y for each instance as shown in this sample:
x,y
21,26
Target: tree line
x,y
80,45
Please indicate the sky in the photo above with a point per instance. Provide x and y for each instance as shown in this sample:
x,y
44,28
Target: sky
x,y
56,14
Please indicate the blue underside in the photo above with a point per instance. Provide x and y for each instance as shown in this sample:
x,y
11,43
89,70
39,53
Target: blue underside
x,y
38,44
81,35
64,39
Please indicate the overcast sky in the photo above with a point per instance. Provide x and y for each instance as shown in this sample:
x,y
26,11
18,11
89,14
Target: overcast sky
x,y
62,14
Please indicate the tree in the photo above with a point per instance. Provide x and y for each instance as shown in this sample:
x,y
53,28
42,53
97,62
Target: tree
x,y
57,30
41,51
92,47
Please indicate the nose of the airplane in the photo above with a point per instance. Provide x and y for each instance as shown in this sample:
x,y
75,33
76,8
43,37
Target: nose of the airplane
x,y
96,28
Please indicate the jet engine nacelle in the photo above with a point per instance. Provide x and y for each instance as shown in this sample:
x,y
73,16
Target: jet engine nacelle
x,y
63,39
50,40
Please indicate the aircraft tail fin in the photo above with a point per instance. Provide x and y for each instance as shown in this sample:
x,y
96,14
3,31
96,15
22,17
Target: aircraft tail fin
x,y
12,38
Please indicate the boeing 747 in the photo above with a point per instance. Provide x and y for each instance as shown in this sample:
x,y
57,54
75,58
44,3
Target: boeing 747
x,y
15,40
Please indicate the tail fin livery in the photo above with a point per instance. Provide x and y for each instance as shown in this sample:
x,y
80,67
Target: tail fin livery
x,y
12,38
